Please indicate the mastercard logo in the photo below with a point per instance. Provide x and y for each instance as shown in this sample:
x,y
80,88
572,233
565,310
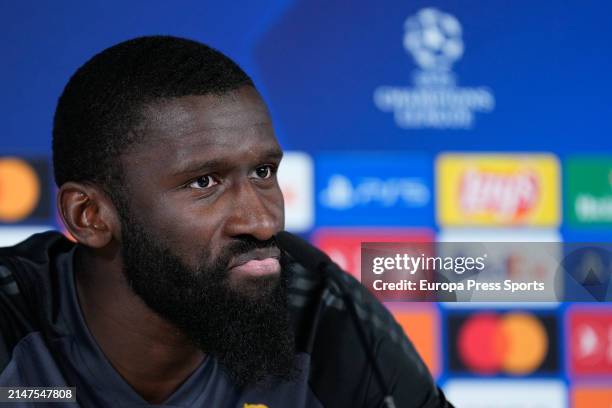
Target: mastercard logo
x,y
512,343
20,189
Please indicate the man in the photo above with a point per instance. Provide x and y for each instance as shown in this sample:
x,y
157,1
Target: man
x,y
176,292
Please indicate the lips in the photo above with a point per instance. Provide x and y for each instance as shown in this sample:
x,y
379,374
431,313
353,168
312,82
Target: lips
x,y
260,262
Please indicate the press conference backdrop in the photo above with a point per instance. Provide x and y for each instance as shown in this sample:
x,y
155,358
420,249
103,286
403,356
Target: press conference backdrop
x,y
402,120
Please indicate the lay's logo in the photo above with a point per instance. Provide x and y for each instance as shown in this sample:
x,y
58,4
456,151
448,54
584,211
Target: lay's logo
x,y
498,190
511,196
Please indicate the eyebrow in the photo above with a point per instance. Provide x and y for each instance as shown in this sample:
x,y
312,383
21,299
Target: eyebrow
x,y
198,167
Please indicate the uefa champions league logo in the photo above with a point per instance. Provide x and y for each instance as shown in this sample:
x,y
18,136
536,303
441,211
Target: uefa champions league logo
x,y
434,39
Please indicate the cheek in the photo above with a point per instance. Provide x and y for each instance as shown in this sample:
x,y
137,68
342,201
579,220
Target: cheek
x,y
188,230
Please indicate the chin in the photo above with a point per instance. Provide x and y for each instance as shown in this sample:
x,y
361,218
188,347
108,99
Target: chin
x,y
255,287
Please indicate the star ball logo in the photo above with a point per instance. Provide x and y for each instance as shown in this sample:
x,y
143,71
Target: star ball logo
x,y
434,39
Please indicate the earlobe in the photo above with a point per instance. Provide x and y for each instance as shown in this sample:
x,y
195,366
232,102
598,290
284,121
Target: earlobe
x,y
87,213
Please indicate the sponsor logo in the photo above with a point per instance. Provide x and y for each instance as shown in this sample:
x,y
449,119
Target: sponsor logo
x,y
589,191
506,393
514,343
508,257
343,245
421,325
434,39
587,269
590,351
341,194
510,195
296,180
25,190
591,397
498,190
374,189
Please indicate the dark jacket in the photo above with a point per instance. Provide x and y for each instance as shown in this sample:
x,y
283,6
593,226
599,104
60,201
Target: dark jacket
x,y
338,371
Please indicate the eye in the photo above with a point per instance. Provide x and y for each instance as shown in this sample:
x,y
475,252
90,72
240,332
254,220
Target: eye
x,y
203,182
264,172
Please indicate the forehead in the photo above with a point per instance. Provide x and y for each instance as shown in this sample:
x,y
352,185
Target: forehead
x,y
198,128
177,120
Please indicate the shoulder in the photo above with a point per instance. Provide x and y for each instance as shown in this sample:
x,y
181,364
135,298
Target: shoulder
x,y
323,303
24,273
25,268
341,373
38,248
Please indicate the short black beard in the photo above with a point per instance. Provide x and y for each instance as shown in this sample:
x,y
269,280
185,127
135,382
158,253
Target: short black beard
x,y
248,332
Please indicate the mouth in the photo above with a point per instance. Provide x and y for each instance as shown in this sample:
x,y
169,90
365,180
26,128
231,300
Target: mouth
x,y
257,263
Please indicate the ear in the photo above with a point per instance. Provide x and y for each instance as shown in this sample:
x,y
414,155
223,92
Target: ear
x,y
89,214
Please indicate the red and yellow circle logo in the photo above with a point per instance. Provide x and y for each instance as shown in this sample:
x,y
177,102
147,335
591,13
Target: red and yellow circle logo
x,y
514,343
19,189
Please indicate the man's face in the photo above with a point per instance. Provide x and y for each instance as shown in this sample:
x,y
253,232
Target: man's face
x,y
200,208
205,176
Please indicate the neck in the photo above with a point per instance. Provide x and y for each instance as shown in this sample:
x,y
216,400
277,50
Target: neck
x,y
151,354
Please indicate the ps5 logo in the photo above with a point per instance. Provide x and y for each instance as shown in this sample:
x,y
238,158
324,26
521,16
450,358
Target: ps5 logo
x,y
434,39
342,194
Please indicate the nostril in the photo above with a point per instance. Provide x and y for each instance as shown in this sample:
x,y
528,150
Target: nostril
x,y
255,212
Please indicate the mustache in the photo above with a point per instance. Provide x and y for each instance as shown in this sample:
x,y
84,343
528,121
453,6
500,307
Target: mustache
x,y
243,245
248,244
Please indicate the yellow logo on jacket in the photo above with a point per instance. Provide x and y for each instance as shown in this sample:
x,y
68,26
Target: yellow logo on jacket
x,y
500,189
255,406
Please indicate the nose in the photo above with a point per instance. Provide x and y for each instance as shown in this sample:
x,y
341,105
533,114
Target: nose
x,y
255,212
